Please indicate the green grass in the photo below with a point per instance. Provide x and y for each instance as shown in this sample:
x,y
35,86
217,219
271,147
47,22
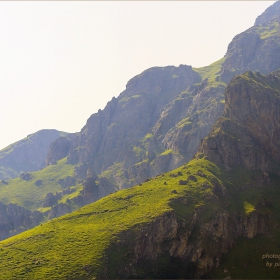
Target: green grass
x,y
249,208
148,136
139,152
184,122
258,82
268,31
167,152
27,193
211,72
114,172
126,99
74,246
59,249
76,191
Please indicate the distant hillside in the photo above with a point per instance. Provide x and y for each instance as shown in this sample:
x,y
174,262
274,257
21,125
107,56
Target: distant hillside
x,y
28,154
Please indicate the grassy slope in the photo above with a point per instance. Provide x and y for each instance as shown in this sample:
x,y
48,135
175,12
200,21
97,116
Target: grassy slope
x,y
27,193
269,30
72,246
211,72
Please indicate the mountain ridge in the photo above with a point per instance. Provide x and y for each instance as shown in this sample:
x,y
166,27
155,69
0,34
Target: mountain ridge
x,y
155,125
190,222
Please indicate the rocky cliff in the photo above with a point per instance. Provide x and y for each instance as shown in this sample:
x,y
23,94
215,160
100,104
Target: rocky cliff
x,y
256,49
248,133
15,219
187,249
116,134
157,123
180,224
271,12
59,148
110,134
244,146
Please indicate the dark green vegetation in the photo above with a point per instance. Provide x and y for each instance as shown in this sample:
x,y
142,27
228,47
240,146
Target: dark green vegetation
x,y
248,259
74,246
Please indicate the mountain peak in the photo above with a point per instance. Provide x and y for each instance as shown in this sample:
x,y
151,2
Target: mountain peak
x,y
247,134
270,13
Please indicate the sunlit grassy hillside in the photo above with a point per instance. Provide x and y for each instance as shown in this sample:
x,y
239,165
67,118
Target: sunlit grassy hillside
x,y
31,195
73,246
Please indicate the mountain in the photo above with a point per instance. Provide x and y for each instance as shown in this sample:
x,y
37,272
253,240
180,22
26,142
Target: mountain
x,y
155,125
246,138
120,134
38,196
256,49
195,221
28,154
248,133
192,222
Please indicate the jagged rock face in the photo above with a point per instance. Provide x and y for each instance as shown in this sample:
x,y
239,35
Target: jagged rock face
x,y
67,182
94,189
59,149
270,13
249,132
15,219
164,102
110,134
50,200
205,108
256,49
191,249
59,210
180,128
179,119
28,154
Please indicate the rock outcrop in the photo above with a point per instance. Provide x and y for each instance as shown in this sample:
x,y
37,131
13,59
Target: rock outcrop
x,y
15,219
110,134
25,176
94,188
269,14
59,210
256,49
59,149
248,133
190,249
158,122
247,137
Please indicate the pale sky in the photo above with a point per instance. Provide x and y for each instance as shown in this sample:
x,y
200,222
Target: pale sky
x,y
62,61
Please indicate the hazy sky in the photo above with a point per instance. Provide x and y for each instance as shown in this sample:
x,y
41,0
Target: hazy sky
x,y
62,61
